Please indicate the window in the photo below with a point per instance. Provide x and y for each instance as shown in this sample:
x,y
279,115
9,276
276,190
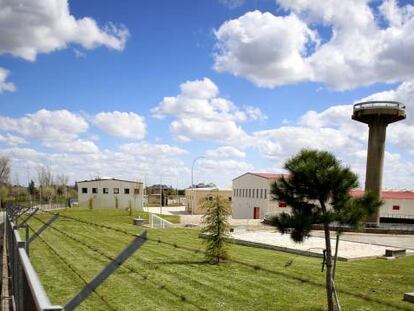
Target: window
x,y
105,190
229,199
261,193
126,191
84,190
282,204
94,190
257,193
116,190
136,191
250,193
395,207
265,194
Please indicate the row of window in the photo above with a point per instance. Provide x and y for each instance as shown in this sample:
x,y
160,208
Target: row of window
x,y
106,190
250,193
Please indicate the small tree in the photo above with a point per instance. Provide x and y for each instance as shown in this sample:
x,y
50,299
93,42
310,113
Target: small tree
x,y
318,192
216,227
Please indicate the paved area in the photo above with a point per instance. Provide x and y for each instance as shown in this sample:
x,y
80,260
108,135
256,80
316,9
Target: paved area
x,y
348,250
392,240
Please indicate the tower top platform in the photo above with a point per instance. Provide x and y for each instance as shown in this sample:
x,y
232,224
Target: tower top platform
x,y
379,111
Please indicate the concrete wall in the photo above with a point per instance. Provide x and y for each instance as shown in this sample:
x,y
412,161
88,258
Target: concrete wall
x,y
108,200
406,208
250,191
194,197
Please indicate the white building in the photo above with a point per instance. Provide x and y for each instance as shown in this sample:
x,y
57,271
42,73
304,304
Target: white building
x,y
251,196
110,193
252,199
397,204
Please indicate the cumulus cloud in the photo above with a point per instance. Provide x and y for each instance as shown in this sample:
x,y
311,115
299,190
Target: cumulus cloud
x,y
366,45
28,28
267,49
5,86
201,114
127,125
152,150
225,152
58,129
12,140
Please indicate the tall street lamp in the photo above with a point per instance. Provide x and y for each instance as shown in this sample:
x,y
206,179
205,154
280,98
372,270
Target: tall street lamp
x,y
192,181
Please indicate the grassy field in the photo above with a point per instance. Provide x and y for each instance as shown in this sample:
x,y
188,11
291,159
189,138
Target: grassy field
x,y
172,274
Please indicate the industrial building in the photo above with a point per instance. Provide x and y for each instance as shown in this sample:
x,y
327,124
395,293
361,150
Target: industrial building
x,y
195,196
251,196
110,193
252,199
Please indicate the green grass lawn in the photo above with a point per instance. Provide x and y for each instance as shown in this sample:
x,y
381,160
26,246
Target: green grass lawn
x,y
174,276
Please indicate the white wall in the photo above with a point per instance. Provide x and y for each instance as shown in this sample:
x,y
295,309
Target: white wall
x,y
406,208
101,200
243,205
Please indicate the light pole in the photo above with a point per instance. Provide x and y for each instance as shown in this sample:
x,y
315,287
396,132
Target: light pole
x,y
192,182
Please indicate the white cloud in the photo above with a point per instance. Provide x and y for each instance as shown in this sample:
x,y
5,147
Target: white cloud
x,y
200,114
152,150
12,140
127,125
5,86
366,46
58,129
266,49
225,152
30,27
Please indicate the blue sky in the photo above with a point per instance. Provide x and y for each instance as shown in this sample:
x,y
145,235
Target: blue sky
x,y
278,59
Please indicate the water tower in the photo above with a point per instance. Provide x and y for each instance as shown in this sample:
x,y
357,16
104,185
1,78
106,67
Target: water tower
x,y
377,114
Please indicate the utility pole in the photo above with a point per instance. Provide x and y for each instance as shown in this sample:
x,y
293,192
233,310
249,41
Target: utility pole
x,y
160,194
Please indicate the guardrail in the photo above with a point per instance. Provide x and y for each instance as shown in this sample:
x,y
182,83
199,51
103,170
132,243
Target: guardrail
x,y
378,104
28,292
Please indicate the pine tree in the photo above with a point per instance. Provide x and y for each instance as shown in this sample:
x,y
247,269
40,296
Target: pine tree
x,y
317,190
216,227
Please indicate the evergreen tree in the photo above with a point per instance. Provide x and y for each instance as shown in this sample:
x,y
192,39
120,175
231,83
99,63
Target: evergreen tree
x,y
216,227
317,190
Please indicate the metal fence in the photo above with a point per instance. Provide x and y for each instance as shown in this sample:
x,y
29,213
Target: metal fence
x,y
28,292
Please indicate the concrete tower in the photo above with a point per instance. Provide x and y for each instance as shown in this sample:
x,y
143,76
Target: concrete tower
x,y
377,114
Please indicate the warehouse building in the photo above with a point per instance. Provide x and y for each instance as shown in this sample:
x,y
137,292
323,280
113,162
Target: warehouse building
x,y
110,193
195,196
251,196
252,199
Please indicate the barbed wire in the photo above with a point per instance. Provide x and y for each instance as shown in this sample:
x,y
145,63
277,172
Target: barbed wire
x,y
72,268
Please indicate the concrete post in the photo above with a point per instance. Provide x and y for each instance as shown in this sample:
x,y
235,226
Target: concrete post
x,y
375,162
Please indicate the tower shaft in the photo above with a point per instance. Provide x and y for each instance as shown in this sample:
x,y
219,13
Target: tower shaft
x,y
375,162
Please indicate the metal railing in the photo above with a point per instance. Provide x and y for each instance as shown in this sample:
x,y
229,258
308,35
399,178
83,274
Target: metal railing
x,y
28,292
156,221
379,104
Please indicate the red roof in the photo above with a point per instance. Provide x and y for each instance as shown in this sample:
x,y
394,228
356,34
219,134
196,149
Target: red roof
x,y
396,195
264,175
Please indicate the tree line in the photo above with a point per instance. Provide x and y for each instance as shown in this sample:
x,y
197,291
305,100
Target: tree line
x,y
45,188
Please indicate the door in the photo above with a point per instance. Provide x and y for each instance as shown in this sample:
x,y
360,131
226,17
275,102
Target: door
x,y
256,212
